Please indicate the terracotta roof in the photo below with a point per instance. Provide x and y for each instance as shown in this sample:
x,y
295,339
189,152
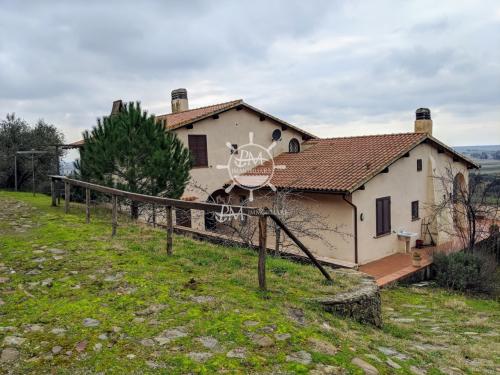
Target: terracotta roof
x,y
343,164
179,119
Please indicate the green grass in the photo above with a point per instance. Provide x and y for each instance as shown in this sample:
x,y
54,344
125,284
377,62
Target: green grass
x,y
148,277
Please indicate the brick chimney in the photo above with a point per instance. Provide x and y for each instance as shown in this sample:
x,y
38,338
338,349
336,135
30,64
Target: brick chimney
x,y
423,122
179,100
117,107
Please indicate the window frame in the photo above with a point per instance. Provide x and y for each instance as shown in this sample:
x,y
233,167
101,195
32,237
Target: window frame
x,y
199,160
383,218
415,210
297,143
419,165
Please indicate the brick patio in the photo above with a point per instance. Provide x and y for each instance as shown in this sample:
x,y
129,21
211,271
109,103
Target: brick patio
x,y
399,265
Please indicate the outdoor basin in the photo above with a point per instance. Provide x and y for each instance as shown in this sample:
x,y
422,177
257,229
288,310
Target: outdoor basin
x,y
406,236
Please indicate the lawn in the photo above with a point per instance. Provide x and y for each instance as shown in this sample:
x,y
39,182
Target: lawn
x,y
74,300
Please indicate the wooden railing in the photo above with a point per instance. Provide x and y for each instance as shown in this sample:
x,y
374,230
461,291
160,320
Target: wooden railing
x,y
170,204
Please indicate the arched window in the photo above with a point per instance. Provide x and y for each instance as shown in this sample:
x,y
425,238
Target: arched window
x,y
294,146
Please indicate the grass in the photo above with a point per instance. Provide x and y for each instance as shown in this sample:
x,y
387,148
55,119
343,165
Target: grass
x,y
136,292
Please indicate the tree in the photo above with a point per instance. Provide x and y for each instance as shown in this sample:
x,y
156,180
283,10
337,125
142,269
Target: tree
x,y
473,207
17,135
131,151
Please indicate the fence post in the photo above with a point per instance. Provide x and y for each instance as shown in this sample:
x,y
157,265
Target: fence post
x,y
170,230
262,251
154,215
67,194
53,191
87,205
114,222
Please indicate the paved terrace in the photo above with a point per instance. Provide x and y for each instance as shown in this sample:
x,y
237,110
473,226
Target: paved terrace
x,y
399,266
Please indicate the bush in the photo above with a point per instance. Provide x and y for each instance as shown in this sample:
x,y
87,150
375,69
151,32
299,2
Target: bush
x,y
465,271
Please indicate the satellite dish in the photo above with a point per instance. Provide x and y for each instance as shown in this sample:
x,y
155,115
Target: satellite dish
x,y
276,135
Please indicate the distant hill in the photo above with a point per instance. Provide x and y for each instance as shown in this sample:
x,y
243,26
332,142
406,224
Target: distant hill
x,y
488,156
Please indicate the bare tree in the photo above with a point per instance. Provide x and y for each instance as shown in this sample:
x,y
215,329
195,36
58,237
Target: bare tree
x,y
473,207
292,209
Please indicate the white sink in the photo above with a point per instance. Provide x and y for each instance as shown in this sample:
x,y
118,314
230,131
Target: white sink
x,y
406,235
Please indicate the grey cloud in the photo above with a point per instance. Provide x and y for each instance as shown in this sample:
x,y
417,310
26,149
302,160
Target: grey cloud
x,y
320,63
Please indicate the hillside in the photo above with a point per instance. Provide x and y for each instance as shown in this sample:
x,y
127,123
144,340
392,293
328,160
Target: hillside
x,y
74,300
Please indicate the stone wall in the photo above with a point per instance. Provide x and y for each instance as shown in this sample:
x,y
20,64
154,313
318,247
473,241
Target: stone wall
x,y
362,304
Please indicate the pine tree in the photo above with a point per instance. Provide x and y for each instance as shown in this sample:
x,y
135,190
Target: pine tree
x,y
131,151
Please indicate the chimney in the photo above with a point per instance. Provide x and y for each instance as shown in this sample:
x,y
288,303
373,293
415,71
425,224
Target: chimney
x,y
423,122
179,100
117,107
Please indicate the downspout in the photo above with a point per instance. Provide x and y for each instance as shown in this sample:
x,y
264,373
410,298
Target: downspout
x,y
355,227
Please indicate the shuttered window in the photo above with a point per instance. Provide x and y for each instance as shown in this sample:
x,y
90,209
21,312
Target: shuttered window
x,y
383,208
198,148
419,165
414,210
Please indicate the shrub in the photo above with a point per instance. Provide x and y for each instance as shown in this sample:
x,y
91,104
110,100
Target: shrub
x,y
465,271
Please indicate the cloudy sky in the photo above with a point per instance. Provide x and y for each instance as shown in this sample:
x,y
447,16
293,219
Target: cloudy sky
x,y
335,68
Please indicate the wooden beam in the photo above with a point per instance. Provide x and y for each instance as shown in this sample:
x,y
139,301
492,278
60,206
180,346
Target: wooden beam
x,y
67,194
215,117
170,230
262,118
239,108
289,233
284,127
189,126
203,206
87,205
262,251
440,150
114,222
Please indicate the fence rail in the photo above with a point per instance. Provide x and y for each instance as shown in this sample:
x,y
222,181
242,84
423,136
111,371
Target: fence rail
x,y
170,204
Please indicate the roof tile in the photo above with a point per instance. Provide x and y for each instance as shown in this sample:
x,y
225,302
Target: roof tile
x,y
339,164
176,120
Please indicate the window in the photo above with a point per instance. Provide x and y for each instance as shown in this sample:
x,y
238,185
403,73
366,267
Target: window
x,y
198,148
183,217
414,210
293,146
383,206
419,165
234,149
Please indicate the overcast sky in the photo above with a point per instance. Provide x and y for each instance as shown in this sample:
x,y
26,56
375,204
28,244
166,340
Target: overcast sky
x,y
335,68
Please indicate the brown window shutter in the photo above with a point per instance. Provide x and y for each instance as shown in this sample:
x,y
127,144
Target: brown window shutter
x,y
383,216
387,215
198,147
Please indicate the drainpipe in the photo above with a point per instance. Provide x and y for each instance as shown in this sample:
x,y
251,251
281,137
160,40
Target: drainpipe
x,y
355,227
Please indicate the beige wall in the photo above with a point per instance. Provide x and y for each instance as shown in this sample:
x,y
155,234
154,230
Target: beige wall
x,y
334,211
403,184
234,127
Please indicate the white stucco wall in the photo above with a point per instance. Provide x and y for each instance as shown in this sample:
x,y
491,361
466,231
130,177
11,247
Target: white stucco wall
x,y
332,210
234,127
403,184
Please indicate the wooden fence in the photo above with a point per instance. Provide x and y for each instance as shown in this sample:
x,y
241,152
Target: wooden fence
x,y
170,204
